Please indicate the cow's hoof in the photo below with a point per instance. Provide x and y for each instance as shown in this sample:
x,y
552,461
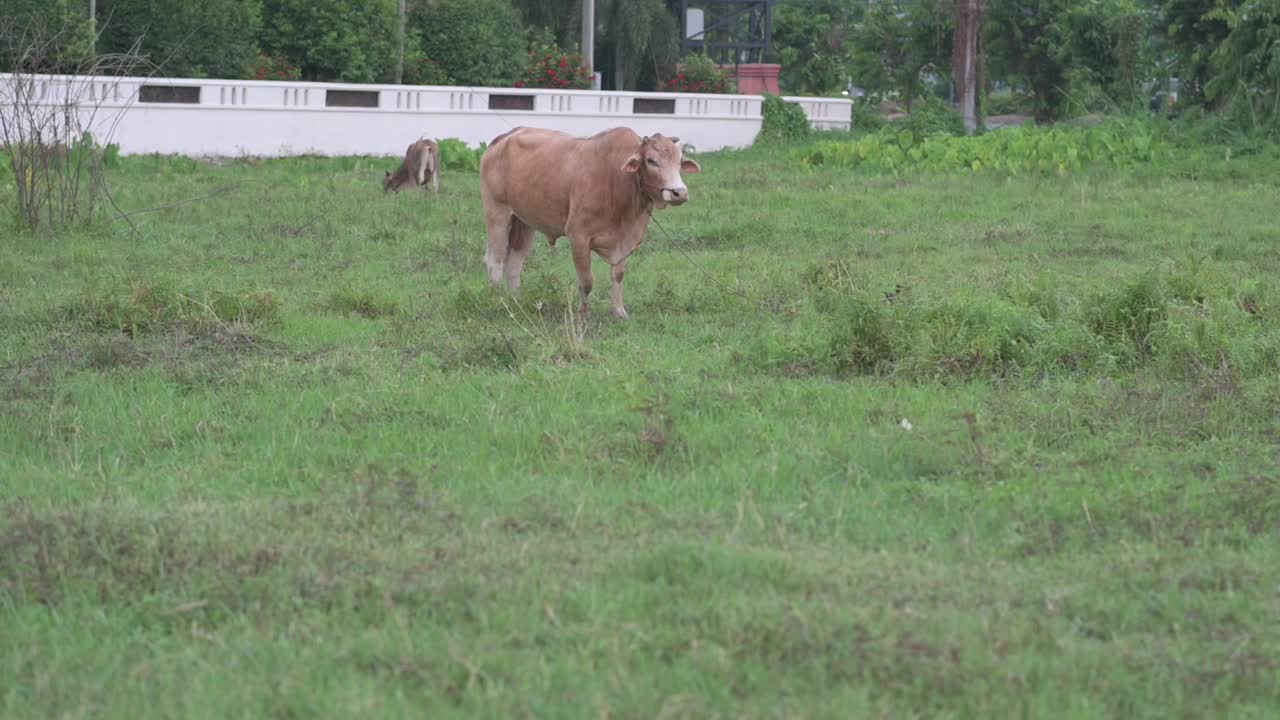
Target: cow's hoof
x,y
620,313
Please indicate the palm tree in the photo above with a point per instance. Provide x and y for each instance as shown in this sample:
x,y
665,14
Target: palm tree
x,y
634,37
641,35
561,17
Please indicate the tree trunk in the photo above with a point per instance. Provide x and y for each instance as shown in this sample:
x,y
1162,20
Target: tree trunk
x,y
964,61
589,34
619,76
400,30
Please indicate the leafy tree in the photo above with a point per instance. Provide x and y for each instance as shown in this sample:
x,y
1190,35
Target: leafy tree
x,y
1068,49
562,17
61,27
895,41
475,42
812,42
1025,40
640,37
882,46
1246,65
1106,45
1194,32
335,40
188,38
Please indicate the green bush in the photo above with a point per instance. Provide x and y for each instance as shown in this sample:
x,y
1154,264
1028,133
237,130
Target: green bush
x,y
1128,316
865,117
1008,103
1027,149
1185,320
455,155
333,40
475,42
934,116
186,38
861,339
975,334
783,121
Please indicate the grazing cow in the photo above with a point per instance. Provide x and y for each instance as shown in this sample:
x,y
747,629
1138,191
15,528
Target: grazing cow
x,y
597,191
421,165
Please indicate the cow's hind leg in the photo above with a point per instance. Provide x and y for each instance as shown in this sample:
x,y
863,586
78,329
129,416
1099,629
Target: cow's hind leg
x,y
519,245
498,221
619,311
582,263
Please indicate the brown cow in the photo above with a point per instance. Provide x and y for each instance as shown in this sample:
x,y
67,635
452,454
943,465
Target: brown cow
x,y
421,165
597,191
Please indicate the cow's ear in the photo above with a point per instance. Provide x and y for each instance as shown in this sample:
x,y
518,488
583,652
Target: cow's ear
x,y
689,166
388,175
674,140
632,164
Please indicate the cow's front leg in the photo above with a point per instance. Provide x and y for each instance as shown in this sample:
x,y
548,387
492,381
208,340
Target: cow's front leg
x,y
619,311
582,263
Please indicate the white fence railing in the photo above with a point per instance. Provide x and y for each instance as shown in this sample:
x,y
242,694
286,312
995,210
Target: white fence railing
x,y
826,113
268,118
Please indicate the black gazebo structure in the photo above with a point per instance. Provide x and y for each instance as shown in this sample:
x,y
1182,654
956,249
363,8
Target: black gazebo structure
x,y
734,32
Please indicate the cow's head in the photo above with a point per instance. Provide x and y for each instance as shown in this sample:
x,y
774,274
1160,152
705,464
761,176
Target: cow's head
x,y
657,164
390,183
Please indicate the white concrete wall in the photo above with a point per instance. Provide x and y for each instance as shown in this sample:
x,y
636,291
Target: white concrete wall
x,y
826,113
268,118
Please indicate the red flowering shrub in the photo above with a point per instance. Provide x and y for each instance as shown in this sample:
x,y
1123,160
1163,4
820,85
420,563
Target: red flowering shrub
x,y
698,74
273,67
422,70
551,66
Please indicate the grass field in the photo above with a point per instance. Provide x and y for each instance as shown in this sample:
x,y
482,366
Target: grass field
x,y
971,446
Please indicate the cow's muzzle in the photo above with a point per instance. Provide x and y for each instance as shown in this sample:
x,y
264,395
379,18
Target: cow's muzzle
x,y
675,196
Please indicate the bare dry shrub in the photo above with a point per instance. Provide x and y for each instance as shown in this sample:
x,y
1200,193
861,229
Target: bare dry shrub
x,y
48,107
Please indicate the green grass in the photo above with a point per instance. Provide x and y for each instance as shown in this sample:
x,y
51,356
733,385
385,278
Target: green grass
x,y
974,446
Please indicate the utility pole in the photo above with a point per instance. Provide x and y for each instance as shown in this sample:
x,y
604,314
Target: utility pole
x,y
400,58
964,60
589,36
93,27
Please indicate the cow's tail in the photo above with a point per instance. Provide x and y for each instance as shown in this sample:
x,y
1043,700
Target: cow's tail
x,y
433,159
421,165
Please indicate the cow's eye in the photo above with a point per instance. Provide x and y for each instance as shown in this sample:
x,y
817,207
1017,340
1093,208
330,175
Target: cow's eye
x,y
653,162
